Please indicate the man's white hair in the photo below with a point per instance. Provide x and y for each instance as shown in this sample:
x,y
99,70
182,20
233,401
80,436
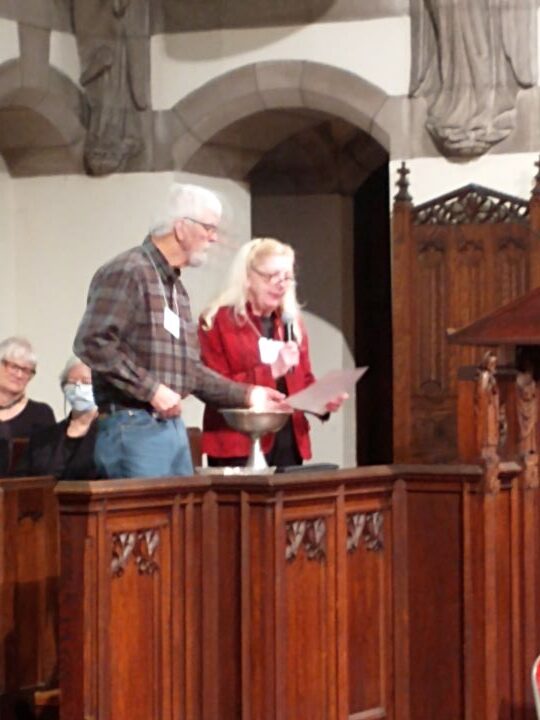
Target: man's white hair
x,y
185,201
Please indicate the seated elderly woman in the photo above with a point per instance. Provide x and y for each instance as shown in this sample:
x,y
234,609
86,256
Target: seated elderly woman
x,y
19,416
66,450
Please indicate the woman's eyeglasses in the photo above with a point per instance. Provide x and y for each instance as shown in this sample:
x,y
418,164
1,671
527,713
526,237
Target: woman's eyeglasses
x,y
275,278
27,372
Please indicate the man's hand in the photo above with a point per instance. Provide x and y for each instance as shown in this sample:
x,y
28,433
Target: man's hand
x,y
166,402
265,399
336,403
288,357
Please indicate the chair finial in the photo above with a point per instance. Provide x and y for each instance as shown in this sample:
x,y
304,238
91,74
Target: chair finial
x,y
402,194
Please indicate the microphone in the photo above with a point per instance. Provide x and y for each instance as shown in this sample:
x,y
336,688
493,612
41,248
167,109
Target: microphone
x,y
288,320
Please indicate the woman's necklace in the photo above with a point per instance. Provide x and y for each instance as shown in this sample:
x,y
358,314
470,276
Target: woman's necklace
x,y
12,403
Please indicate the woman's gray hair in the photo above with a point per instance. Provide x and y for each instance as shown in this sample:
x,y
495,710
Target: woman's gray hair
x,y
71,363
19,349
185,201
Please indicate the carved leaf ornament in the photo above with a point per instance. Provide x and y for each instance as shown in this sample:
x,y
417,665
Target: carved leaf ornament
x,y
366,527
309,534
139,544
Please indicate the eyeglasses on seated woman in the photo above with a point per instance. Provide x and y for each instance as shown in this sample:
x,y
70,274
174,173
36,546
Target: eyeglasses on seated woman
x,y
19,416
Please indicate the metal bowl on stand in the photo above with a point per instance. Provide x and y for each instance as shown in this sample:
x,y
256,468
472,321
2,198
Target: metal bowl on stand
x,y
255,424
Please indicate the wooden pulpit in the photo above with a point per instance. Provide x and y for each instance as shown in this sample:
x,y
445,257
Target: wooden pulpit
x,y
508,396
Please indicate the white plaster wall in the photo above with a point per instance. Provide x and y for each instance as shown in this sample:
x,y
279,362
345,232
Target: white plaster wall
x,y
65,227
431,177
183,62
8,304
64,55
9,40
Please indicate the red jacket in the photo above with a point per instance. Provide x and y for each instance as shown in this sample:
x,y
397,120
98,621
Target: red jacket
x,y
231,347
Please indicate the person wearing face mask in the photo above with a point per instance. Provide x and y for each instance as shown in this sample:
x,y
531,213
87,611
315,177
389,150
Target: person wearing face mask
x,y
66,450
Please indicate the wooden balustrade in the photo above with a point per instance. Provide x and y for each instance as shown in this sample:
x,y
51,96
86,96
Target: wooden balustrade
x,y
398,592
406,592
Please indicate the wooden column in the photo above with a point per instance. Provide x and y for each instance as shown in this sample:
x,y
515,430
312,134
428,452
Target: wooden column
x,y
534,223
402,287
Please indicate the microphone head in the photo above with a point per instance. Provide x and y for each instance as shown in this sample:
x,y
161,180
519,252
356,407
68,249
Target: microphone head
x,y
287,319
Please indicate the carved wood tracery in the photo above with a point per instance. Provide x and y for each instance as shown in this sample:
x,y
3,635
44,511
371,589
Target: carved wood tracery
x,y
471,204
139,544
366,527
309,534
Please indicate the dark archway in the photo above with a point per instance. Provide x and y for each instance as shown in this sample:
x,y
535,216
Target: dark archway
x,y
373,319
305,137
324,164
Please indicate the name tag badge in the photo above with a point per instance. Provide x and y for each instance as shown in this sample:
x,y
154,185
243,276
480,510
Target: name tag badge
x,y
269,350
171,322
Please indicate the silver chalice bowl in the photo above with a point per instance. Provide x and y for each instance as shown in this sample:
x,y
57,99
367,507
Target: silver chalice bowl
x,y
255,424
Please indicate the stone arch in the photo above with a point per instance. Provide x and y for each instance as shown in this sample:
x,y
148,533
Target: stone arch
x,y
40,128
271,85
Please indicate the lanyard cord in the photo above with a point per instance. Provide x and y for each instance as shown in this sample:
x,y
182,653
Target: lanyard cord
x,y
175,294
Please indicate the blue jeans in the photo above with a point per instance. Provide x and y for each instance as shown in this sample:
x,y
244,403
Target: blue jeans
x,y
133,443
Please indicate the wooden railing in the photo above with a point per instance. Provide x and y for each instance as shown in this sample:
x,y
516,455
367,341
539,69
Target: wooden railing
x,y
399,592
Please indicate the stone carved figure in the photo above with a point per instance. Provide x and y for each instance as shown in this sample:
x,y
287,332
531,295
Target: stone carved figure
x,y
469,60
527,409
113,38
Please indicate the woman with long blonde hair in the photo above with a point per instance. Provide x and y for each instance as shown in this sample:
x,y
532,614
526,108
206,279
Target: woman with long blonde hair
x,y
253,332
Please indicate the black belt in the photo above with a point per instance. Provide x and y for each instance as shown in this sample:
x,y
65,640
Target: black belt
x,y
107,408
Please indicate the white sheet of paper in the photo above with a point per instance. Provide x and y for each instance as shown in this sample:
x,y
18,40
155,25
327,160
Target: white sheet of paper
x,y
314,398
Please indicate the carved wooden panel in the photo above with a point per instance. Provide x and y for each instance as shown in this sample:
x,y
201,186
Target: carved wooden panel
x,y
140,581
512,268
29,569
130,595
368,612
309,600
468,252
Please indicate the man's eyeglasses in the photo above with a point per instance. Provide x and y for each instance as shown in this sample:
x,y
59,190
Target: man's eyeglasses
x,y
209,227
276,277
14,367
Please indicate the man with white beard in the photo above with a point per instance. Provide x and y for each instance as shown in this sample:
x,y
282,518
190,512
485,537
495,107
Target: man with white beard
x,y
138,338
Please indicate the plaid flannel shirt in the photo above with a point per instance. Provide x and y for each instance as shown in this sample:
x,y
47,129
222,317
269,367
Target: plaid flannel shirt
x,y
122,338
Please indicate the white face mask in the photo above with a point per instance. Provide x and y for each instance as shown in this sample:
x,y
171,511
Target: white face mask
x,y
80,396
